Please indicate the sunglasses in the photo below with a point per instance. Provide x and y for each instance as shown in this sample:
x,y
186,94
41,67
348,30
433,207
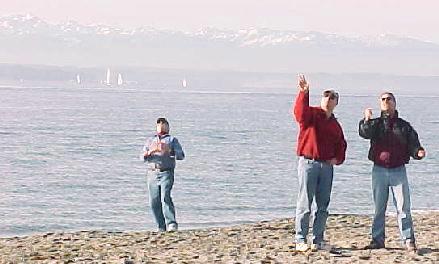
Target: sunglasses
x,y
331,94
162,120
386,99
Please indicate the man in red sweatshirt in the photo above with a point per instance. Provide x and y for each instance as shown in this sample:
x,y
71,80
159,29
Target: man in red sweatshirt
x,y
321,145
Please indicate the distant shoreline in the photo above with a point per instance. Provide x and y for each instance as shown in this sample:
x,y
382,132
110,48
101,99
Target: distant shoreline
x,y
266,242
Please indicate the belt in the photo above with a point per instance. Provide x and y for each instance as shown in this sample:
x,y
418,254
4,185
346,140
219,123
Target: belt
x,y
158,169
311,158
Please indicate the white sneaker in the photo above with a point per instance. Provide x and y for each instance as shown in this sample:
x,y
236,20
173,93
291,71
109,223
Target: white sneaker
x,y
410,246
302,247
321,246
172,227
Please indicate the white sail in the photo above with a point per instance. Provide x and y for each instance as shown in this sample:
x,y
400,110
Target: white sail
x,y
184,83
119,79
108,82
78,79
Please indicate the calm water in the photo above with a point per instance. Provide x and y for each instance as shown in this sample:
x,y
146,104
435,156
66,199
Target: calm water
x,y
69,157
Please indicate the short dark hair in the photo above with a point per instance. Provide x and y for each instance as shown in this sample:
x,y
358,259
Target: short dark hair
x,y
162,120
390,94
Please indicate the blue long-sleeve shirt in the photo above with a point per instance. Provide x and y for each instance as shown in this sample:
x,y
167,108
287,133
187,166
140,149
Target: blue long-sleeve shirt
x,y
163,160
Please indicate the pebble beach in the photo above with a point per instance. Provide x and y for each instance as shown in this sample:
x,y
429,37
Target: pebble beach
x,y
262,242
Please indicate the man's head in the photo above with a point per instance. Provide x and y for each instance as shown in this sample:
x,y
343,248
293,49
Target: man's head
x,y
162,125
329,100
388,102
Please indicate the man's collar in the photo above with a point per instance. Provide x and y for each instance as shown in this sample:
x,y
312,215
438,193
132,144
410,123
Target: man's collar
x,y
323,112
386,115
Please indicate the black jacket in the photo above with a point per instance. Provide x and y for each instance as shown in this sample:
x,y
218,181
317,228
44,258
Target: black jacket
x,y
376,128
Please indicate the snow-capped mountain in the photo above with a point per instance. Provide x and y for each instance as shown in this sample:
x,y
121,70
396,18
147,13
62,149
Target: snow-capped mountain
x,y
31,40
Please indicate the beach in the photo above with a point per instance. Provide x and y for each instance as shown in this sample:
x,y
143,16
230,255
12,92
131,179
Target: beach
x,y
261,242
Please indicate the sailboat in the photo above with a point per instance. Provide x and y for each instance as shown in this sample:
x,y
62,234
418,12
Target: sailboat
x,y
119,79
108,82
184,83
78,79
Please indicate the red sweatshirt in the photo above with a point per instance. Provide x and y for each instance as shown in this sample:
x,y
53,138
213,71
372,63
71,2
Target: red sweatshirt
x,y
320,138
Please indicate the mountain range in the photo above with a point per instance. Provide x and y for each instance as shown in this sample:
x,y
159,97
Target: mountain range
x,y
26,39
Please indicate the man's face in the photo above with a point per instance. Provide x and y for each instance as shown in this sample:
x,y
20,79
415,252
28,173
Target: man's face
x,y
387,103
162,128
329,102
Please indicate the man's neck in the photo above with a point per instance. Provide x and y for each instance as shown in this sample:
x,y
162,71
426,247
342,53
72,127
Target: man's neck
x,y
328,113
391,114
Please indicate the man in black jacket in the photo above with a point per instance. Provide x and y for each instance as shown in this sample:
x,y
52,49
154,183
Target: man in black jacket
x,y
392,142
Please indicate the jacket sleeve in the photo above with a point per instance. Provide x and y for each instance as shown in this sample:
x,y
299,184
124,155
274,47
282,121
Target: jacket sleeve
x,y
413,142
177,150
340,148
302,111
367,129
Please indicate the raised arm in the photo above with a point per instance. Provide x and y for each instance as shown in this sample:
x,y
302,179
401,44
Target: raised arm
x,y
367,126
302,111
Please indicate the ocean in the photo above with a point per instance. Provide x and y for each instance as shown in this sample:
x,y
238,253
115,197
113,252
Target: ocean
x,y
69,156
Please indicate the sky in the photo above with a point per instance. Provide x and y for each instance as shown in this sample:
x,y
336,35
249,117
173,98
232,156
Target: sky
x,y
416,19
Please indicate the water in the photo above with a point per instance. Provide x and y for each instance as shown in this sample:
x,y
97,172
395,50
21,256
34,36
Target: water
x,y
69,157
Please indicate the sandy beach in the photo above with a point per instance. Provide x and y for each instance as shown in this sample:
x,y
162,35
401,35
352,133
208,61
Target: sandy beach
x,y
262,242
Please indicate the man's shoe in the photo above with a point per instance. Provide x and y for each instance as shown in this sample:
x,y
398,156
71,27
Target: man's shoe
x,y
410,246
375,245
302,247
172,227
321,246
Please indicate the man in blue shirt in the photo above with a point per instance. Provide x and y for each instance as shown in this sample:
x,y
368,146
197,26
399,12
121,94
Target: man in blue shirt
x,y
160,153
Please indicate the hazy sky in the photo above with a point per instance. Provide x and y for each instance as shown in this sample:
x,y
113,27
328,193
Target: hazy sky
x,y
366,17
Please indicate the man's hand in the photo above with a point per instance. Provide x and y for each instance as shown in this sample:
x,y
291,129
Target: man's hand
x,y
150,152
421,153
302,84
164,148
160,148
367,114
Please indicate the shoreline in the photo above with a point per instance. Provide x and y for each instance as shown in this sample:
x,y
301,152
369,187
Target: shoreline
x,y
261,242
204,226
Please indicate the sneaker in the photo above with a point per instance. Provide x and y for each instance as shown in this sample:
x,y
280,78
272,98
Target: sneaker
x,y
302,247
375,245
321,246
410,245
172,227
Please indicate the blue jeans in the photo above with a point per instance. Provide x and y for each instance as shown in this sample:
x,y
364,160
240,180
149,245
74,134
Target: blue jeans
x,y
315,181
160,186
396,179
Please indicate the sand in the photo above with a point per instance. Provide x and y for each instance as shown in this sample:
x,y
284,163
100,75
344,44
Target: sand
x,y
262,242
